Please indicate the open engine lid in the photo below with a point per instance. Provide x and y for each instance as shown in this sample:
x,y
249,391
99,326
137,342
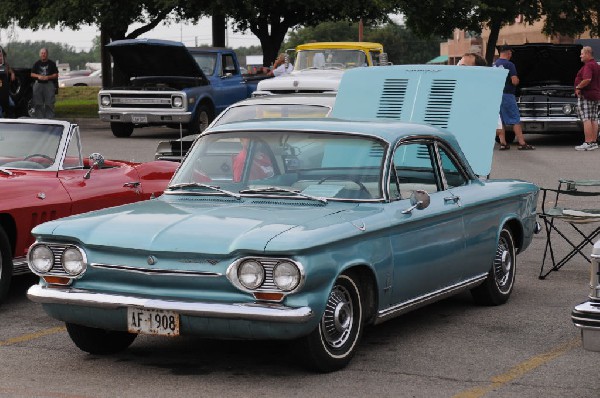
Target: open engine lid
x,y
546,63
152,57
464,100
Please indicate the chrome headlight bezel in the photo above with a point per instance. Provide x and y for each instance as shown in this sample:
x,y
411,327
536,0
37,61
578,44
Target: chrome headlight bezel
x,y
177,101
40,259
568,109
58,267
73,266
105,100
268,284
286,276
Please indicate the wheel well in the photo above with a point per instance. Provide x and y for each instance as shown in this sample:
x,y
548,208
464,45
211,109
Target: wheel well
x,y
209,105
368,287
516,229
8,225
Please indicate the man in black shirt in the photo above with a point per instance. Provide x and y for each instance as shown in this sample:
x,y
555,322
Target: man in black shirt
x,y
45,73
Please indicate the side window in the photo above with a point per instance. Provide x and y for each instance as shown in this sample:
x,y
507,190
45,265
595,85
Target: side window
x,y
228,65
414,169
73,158
454,177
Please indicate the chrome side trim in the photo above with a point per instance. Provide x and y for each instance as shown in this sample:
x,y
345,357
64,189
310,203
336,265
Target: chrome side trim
x,y
152,271
244,311
421,301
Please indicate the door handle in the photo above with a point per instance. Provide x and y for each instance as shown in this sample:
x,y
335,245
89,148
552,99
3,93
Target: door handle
x,y
133,184
452,199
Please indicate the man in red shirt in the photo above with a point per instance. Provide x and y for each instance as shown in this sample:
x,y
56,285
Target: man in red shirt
x,y
587,89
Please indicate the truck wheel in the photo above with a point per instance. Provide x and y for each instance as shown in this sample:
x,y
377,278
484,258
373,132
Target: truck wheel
x,y
99,341
5,265
121,130
201,120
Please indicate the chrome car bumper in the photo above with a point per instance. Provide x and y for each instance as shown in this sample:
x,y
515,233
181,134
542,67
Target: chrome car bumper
x,y
240,311
156,117
549,124
586,316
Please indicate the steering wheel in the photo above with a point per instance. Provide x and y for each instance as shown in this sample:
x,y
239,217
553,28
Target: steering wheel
x,y
362,187
39,155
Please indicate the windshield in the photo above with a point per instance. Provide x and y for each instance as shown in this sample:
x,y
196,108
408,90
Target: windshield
x,y
29,146
207,62
271,111
294,164
330,59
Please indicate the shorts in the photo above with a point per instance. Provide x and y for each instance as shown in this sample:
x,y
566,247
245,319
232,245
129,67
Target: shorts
x,y
509,111
587,109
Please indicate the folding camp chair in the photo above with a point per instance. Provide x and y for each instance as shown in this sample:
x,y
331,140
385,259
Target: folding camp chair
x,y
571,216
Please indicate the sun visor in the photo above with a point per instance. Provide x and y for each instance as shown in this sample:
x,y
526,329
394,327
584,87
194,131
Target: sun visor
x,y
464,100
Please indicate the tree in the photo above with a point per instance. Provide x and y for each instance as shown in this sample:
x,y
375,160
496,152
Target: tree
x,y
270,20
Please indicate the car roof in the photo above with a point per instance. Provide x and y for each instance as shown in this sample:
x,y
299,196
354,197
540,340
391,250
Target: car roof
x,y
345,45
290,99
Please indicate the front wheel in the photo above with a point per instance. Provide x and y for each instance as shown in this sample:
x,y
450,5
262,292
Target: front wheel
x,y
99,341
501,278
5,265
332,344
122,130
200,121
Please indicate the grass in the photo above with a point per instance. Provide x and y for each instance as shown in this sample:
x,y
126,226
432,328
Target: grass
x,y
75,102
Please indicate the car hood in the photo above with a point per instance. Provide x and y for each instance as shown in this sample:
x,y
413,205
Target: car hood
x,y
304,80
204,224
546,64
150,57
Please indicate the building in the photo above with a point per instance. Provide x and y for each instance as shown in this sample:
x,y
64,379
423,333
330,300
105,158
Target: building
x,y
518,33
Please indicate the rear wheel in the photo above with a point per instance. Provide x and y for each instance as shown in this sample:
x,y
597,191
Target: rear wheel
x,y
99,341
121,130
6,265
333,343
501,278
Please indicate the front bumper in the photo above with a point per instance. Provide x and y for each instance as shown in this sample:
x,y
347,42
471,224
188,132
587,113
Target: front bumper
x,y
586,316
248,321
536,125
134,116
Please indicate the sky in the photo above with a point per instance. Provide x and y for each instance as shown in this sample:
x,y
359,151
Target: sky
x,y
190,35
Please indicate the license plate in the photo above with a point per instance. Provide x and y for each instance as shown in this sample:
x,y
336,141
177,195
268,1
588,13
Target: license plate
x,y
139,119
146,321
533,126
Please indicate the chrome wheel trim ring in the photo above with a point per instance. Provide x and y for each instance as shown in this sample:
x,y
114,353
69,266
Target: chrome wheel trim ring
x,y
503,265
203,121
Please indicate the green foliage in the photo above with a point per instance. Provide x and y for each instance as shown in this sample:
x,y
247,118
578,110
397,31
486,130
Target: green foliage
x,y
402,46
25,54
73,102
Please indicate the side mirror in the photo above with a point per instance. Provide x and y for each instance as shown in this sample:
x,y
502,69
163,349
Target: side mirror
x,y
419,200
96,161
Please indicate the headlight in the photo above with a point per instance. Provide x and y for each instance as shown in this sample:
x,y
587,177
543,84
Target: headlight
x,y
105,100
177,102
567,109
73,262
286,276
41,259
251,274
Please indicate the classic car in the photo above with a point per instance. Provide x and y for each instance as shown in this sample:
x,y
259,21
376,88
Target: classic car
x,y
270,107
93,79
586,316
546,95
43,176
303,229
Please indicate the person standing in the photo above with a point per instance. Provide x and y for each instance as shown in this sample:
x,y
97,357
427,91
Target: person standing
x,y
509,111
281,66
45,73
587,89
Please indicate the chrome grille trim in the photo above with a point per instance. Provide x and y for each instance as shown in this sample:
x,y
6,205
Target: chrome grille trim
x,y
152,271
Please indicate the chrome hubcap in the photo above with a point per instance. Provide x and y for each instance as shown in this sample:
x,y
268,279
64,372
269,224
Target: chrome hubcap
x,y
503,265
338,317
203,118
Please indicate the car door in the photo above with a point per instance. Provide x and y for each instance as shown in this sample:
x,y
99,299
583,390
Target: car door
x,y
112,184
427,244
231,85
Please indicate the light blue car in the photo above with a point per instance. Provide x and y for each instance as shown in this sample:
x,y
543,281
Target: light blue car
x,y
303,229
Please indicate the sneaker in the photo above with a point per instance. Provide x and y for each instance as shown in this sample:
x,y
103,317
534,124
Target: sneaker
x,y
587,146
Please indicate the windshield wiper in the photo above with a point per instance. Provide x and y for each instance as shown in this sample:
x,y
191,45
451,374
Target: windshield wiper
x,y
184,185
7,172
284,190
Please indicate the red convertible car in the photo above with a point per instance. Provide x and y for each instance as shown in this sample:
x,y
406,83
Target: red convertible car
x,y
43,176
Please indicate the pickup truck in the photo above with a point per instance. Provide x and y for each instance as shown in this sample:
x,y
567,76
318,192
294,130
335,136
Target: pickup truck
x,y
171,85
319,67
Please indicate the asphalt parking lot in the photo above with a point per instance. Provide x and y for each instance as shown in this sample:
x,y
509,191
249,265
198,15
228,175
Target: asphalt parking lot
x,y
526,348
